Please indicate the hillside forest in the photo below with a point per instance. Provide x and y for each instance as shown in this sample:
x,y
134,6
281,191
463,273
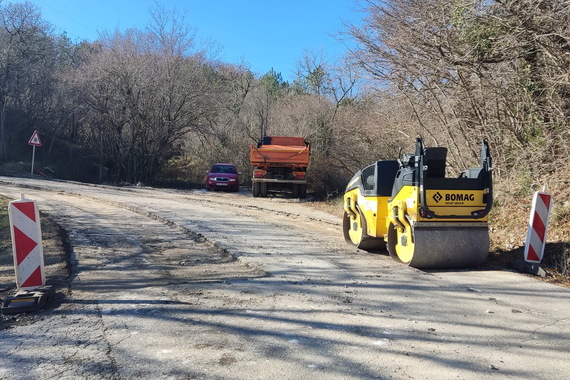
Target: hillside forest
x,y
155,106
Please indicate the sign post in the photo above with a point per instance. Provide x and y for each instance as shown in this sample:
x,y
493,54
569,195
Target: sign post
x,y
34,141
537,226
536,235
32,291
27,243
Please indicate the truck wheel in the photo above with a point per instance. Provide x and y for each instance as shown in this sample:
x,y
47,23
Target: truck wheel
x,y
295,190
302,191
263,189
255,189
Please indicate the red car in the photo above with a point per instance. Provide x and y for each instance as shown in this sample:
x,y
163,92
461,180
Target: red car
x,y
224,177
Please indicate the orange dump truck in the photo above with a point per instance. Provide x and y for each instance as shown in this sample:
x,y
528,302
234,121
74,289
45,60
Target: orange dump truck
x,y
280,165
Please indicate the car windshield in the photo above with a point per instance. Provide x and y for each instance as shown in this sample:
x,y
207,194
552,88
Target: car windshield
x,y
223,169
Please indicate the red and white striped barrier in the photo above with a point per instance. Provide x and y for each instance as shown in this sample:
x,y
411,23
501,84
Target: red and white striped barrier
x,y
27,243
537,226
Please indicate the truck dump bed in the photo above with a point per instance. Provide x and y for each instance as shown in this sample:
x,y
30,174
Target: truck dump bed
x,y
280,151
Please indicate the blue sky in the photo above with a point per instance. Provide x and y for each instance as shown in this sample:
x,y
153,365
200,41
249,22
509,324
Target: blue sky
x,y
264,34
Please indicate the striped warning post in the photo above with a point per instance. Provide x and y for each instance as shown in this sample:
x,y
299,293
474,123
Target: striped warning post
x,y
27,243
537,226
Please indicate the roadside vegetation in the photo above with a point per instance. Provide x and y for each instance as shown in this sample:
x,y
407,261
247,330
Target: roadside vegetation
x,y
154,106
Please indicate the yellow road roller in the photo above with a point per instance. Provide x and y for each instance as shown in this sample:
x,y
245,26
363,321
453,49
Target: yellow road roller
x,y
421,217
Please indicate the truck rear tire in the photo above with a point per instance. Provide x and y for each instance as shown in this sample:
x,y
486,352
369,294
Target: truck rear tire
x,y
255,189
263,189
295,190
302,191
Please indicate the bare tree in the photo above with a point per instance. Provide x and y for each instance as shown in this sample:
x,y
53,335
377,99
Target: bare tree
x,y
144,95
27,62
474,69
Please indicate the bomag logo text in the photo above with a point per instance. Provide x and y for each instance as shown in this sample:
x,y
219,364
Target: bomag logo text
x,y
459,197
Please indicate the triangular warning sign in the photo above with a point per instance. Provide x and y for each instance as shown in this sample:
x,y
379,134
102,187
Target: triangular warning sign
x,y
35,139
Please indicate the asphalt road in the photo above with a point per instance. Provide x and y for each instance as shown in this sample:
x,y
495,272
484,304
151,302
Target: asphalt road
x,y
203,285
